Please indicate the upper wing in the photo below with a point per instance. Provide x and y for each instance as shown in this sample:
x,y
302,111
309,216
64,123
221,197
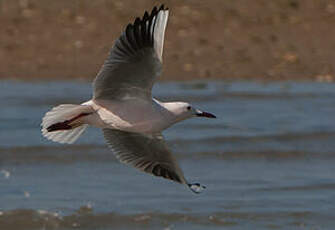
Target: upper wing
x,y
135,60
147,153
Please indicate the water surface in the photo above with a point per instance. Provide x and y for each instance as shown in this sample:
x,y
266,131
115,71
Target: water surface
x,y
267,161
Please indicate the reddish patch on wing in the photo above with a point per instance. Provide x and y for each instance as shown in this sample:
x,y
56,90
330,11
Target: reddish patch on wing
x,y
65,125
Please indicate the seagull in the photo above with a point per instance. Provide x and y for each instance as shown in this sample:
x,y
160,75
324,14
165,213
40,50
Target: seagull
x,y
132,120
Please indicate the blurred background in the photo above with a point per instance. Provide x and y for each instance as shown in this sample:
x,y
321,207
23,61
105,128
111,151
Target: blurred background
x,y
281,39
264,68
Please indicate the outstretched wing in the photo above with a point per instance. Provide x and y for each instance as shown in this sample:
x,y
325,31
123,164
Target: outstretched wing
x,y
147,153
135,60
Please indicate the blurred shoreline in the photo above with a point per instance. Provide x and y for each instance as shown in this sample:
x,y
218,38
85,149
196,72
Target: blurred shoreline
x,y
265,40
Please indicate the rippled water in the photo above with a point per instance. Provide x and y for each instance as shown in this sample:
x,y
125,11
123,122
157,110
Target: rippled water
x,y
267,161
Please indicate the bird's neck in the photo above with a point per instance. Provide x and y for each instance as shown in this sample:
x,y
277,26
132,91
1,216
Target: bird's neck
x,y
167,111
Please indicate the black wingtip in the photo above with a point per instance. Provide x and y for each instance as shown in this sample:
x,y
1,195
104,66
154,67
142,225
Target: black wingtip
x,y
129,27
154,10
161,7
137,21
139,34
145,16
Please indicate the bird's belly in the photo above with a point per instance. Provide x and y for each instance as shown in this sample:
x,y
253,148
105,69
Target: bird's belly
x,y
134,125
137,118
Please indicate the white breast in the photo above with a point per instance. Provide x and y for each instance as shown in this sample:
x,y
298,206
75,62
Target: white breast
x,y
131,115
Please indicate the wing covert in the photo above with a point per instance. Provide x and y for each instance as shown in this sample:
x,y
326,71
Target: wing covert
x,y
146,153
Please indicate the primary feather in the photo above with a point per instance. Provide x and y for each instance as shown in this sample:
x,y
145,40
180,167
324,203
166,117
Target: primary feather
x,y
135,61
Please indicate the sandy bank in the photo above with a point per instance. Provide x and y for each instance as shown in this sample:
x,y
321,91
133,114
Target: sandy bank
x,y
271,40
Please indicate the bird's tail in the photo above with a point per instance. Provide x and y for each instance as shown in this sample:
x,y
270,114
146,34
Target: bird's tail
x,y
65,123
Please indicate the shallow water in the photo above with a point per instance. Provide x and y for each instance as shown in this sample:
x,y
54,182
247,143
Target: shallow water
x,y
267,161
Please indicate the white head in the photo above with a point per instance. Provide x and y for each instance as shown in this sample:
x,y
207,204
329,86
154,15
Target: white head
x,y
184,110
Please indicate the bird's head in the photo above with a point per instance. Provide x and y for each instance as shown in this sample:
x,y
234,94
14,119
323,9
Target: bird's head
x,y
184,110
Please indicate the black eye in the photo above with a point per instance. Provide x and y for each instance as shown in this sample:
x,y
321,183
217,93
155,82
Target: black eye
x,y
188,107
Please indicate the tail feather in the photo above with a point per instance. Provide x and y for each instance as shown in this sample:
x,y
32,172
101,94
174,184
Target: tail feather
x,y
63,123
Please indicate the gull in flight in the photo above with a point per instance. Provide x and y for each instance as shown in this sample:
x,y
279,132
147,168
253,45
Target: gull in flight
x,y
122,104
